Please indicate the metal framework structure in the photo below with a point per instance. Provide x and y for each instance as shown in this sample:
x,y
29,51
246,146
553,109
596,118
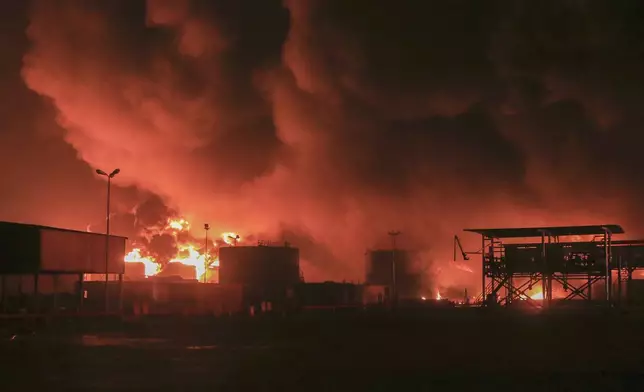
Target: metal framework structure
x,y
510,271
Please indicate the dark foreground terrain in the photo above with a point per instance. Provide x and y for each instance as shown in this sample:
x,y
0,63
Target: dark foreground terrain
x,y
457,349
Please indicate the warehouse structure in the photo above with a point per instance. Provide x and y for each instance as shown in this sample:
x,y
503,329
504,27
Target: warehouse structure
x,y
44,268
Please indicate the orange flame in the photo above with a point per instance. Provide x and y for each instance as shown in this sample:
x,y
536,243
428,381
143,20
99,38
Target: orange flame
x,y
537,296
151,266
438,295
178,224
187,254
230,238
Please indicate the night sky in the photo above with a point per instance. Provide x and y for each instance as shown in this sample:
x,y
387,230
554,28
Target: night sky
x,y
326,123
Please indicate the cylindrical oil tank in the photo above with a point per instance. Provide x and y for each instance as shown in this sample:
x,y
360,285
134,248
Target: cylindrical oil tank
x,y
259,266
408,272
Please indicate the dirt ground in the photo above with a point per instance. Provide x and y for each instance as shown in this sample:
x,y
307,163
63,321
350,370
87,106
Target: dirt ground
x,y
439,350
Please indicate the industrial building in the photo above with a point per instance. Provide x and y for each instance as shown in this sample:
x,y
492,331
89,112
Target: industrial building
x,y
43,268
517,260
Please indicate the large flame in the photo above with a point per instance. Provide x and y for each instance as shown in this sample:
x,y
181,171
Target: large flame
x,y
151,266
187,253
230,238
537,296
179,224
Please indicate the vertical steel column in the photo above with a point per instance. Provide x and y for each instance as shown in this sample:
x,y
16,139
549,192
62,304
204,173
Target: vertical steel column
x,y
107,247
482,270
619,279
607,256
544,289
508,300
550,273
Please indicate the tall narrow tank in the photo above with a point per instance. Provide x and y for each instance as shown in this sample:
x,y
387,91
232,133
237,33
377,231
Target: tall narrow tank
x,y
259,266
408,273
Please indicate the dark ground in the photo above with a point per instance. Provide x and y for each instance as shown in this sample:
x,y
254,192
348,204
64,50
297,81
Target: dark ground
x,y
456,349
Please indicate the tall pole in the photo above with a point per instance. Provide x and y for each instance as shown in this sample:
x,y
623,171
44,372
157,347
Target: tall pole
x,y
107,232
107,246
394,288
205,257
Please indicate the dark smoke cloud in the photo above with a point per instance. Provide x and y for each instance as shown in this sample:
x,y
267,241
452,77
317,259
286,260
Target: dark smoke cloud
x,y
153,212
341,120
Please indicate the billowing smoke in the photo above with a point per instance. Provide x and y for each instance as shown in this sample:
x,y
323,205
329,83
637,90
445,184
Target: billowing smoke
x,y
332,122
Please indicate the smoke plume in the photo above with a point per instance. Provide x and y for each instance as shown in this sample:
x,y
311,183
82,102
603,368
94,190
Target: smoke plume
x,y
333,122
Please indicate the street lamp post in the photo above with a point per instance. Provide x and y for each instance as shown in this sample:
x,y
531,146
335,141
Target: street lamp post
x,y
393,234
205,256
107,231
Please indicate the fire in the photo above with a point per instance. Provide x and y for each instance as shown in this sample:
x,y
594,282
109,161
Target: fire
x,y
230,238
151,266
537,296
438,295
187,254
179,224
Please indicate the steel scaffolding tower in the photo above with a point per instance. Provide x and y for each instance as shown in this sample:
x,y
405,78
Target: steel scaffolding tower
x,y
511,270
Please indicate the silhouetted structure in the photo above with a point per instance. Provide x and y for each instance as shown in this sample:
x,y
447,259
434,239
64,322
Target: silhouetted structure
x,y
171,296
511,270
179,270
267,273
40,261
408,276
328,295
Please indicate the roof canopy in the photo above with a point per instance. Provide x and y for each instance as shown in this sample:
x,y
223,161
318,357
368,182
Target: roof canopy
x,y
15,225
556,231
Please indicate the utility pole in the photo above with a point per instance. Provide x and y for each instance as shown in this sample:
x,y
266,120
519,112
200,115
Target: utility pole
x,y
107,232
394,290
205,256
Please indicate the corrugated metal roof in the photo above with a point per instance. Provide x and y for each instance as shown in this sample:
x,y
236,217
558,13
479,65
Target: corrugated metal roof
x,y
556,231
15,224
